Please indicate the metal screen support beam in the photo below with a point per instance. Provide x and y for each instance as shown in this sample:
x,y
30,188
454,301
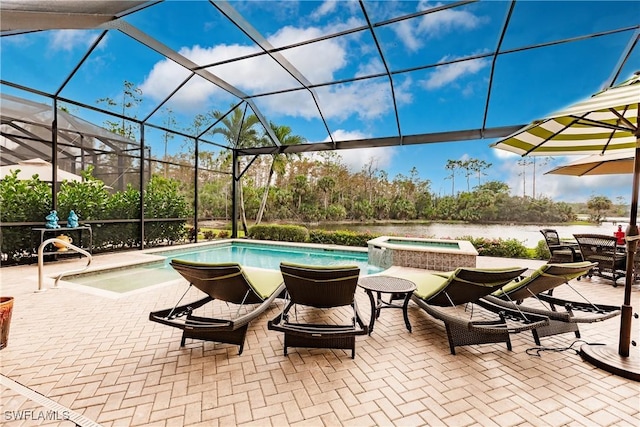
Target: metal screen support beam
x,y
141,186
196,172
54,157
493,64
624,57
234,194
386,67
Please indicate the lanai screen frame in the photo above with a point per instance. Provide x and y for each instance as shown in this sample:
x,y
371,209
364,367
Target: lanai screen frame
x,y
18,17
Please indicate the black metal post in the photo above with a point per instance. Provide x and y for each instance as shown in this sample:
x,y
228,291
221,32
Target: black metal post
x,y
195,190
234,195
142,157
54,157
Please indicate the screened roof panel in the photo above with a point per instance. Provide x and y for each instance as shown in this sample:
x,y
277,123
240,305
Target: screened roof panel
x,y
118,59
167,21
189,100
454,93
363,107
322,67
293,22
44,59
589,17
256,75
297,110
327,60
450,34
379,11
547,72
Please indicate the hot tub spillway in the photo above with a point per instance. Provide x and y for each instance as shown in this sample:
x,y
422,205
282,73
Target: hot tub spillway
x,y
428,254
376,255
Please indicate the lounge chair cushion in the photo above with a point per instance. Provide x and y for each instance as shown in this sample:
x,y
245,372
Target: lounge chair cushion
x,y
429,284
577,268
263,281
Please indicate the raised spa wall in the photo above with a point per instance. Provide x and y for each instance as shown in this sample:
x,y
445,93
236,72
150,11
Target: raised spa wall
x,y
428,254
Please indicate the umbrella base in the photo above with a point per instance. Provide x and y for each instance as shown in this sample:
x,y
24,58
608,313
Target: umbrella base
x,y
607,358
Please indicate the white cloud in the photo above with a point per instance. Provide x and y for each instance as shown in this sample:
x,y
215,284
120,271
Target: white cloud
x,y
414,32
504,154
344,135
356,158
374,66
324,9
580,188
558,187
318,62
68,40
446,74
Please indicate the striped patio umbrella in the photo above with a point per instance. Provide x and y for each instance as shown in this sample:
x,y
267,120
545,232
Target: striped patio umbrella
x,y
604,123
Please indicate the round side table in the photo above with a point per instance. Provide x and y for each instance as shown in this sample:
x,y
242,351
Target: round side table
x,y
387,285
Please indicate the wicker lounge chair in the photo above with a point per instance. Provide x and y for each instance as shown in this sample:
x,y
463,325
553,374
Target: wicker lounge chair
x,y
539,287
252,289
560,251
319,288
442,294
603,250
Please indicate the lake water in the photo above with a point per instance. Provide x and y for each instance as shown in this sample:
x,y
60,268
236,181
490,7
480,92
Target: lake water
x,y
529,235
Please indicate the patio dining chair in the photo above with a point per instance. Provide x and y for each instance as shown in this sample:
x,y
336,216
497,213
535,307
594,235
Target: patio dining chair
x,y
325,298
250,291
603,250
560,251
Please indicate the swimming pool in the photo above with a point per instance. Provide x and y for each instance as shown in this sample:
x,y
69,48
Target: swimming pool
x,y
261,255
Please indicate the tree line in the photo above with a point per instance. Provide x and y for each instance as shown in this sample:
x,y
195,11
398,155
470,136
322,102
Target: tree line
x,y
320,187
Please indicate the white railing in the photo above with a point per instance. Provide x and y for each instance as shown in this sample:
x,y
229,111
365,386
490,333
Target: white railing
x,y
68,246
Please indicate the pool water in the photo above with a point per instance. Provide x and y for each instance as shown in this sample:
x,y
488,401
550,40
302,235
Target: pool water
x,y
127,279
253,255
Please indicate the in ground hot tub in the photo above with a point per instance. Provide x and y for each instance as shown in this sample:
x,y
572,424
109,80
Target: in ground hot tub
x,y
429,254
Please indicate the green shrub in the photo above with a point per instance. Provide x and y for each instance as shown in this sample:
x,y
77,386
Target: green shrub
x,y
505,248
21,201
341,237
336,212
283,233
30,201
24,201
88,199
542,250
162,199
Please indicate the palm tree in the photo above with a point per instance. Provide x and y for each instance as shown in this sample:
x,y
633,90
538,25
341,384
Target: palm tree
x,y
239,131
453,165
278,161
300,188
326,184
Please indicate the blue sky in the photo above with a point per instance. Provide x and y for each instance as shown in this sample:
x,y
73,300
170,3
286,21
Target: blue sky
x,y
526,85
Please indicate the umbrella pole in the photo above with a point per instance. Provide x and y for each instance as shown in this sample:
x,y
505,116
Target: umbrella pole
x,y
604,356
632,245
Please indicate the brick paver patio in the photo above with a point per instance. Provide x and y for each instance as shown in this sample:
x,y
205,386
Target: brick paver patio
x,y
102,359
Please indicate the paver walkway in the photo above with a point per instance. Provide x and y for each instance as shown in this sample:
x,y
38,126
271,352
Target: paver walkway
x,y
103,360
